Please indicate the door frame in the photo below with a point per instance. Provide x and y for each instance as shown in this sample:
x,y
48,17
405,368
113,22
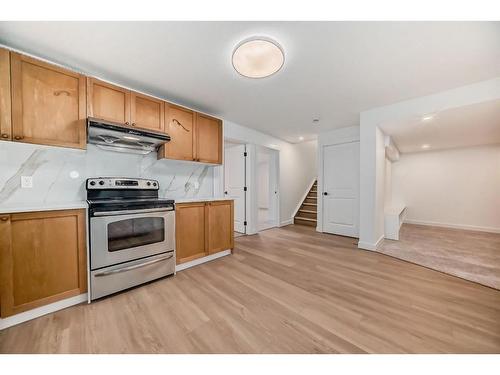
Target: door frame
x,y
246,169
336,137
274,159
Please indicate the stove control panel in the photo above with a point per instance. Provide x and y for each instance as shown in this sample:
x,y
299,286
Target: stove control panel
x,y
103,183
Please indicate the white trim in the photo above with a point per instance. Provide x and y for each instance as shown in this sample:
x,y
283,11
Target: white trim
x,y
40,311
198,261
370,246
454,226
304,197
286,222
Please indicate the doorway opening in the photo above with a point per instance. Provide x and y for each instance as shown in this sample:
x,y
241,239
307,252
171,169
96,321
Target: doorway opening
x,y
267,188
235,182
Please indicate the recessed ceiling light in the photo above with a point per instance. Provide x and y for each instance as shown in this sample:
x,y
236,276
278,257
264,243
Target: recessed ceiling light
x,y
258,57
301,138
427,118
273,145
426,146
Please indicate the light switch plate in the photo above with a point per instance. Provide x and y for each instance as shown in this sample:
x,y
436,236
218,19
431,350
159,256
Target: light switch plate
x,y
26,182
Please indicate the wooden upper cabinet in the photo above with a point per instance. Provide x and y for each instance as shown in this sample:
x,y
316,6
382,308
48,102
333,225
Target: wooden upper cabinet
x,y
208,139
48,103
108,102
179,124
5,102
220,226
147,112
42,259
190,231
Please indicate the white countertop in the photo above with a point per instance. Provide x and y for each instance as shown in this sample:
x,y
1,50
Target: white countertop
x,y
200,199
42,207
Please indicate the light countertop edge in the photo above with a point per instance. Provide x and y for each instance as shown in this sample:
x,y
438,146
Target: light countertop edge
x,y
83,204
42,207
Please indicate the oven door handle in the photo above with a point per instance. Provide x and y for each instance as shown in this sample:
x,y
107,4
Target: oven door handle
x,y
126,212
106,273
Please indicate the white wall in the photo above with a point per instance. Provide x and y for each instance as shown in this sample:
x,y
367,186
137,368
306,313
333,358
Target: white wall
x,y
458,187
297,164
372,173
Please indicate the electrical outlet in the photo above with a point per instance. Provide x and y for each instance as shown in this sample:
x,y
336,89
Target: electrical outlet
x,y
26,182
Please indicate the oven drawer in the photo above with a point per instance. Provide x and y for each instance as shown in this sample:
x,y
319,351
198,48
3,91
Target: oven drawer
x,y
126,275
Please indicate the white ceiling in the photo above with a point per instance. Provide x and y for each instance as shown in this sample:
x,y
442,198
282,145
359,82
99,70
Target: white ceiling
x,y
333,70
471,125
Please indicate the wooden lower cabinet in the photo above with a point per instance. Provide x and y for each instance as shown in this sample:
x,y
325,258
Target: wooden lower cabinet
x,y
203,228
42,259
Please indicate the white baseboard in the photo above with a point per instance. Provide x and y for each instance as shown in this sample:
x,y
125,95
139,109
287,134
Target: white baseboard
x,y
198,261
286,222
454,226
370,246
40,311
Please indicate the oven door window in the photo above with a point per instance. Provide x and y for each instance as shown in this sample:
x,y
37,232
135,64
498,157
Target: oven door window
x,y
129,233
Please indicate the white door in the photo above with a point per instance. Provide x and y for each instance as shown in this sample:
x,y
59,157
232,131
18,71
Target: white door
x,y
234,182
267,188
341,189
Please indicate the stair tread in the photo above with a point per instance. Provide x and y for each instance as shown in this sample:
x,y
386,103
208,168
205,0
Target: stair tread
x,y
309,204
304,218
308,211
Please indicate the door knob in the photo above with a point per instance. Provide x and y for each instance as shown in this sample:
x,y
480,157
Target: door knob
x,y
325,193
18,137
4,218
126,122
5,135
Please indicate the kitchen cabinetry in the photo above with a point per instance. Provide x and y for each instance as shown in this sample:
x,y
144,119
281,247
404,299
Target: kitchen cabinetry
x,y
203,228
108,102
5,103
208,139
48,103
147,112
42,259
179,124
117,104
195,136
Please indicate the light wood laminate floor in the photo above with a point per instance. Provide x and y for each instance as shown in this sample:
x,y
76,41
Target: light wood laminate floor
x,y
286,290
468,254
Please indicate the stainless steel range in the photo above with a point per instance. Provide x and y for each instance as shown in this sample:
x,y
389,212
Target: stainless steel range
x,y
132,234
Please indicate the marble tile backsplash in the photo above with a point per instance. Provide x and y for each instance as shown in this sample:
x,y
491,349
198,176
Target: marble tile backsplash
x,y
59,174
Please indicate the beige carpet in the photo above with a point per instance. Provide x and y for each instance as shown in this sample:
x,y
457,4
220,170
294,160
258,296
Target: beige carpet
x,y
471,255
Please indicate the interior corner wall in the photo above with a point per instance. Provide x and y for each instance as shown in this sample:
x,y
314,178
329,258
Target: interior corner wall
x,y
454,188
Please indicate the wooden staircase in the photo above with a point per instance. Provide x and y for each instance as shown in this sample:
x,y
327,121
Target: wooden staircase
x,y
306,215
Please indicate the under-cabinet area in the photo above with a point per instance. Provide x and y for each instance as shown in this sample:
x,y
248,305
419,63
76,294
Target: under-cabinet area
x,y
46,104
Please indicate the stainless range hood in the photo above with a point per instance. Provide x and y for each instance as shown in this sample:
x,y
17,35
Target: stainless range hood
x,y
122,138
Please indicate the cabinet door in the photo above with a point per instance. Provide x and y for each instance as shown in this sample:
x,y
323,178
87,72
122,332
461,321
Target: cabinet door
x,y
208,139
190,231
180,126
108,102
220,226
5,103
42,258
147,112
48,103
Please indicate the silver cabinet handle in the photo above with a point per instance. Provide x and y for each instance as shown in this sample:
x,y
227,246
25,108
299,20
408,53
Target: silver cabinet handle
x,y
106,273
126,212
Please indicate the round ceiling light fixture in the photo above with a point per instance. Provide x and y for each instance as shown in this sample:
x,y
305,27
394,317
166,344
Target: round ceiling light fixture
x,y
258,57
